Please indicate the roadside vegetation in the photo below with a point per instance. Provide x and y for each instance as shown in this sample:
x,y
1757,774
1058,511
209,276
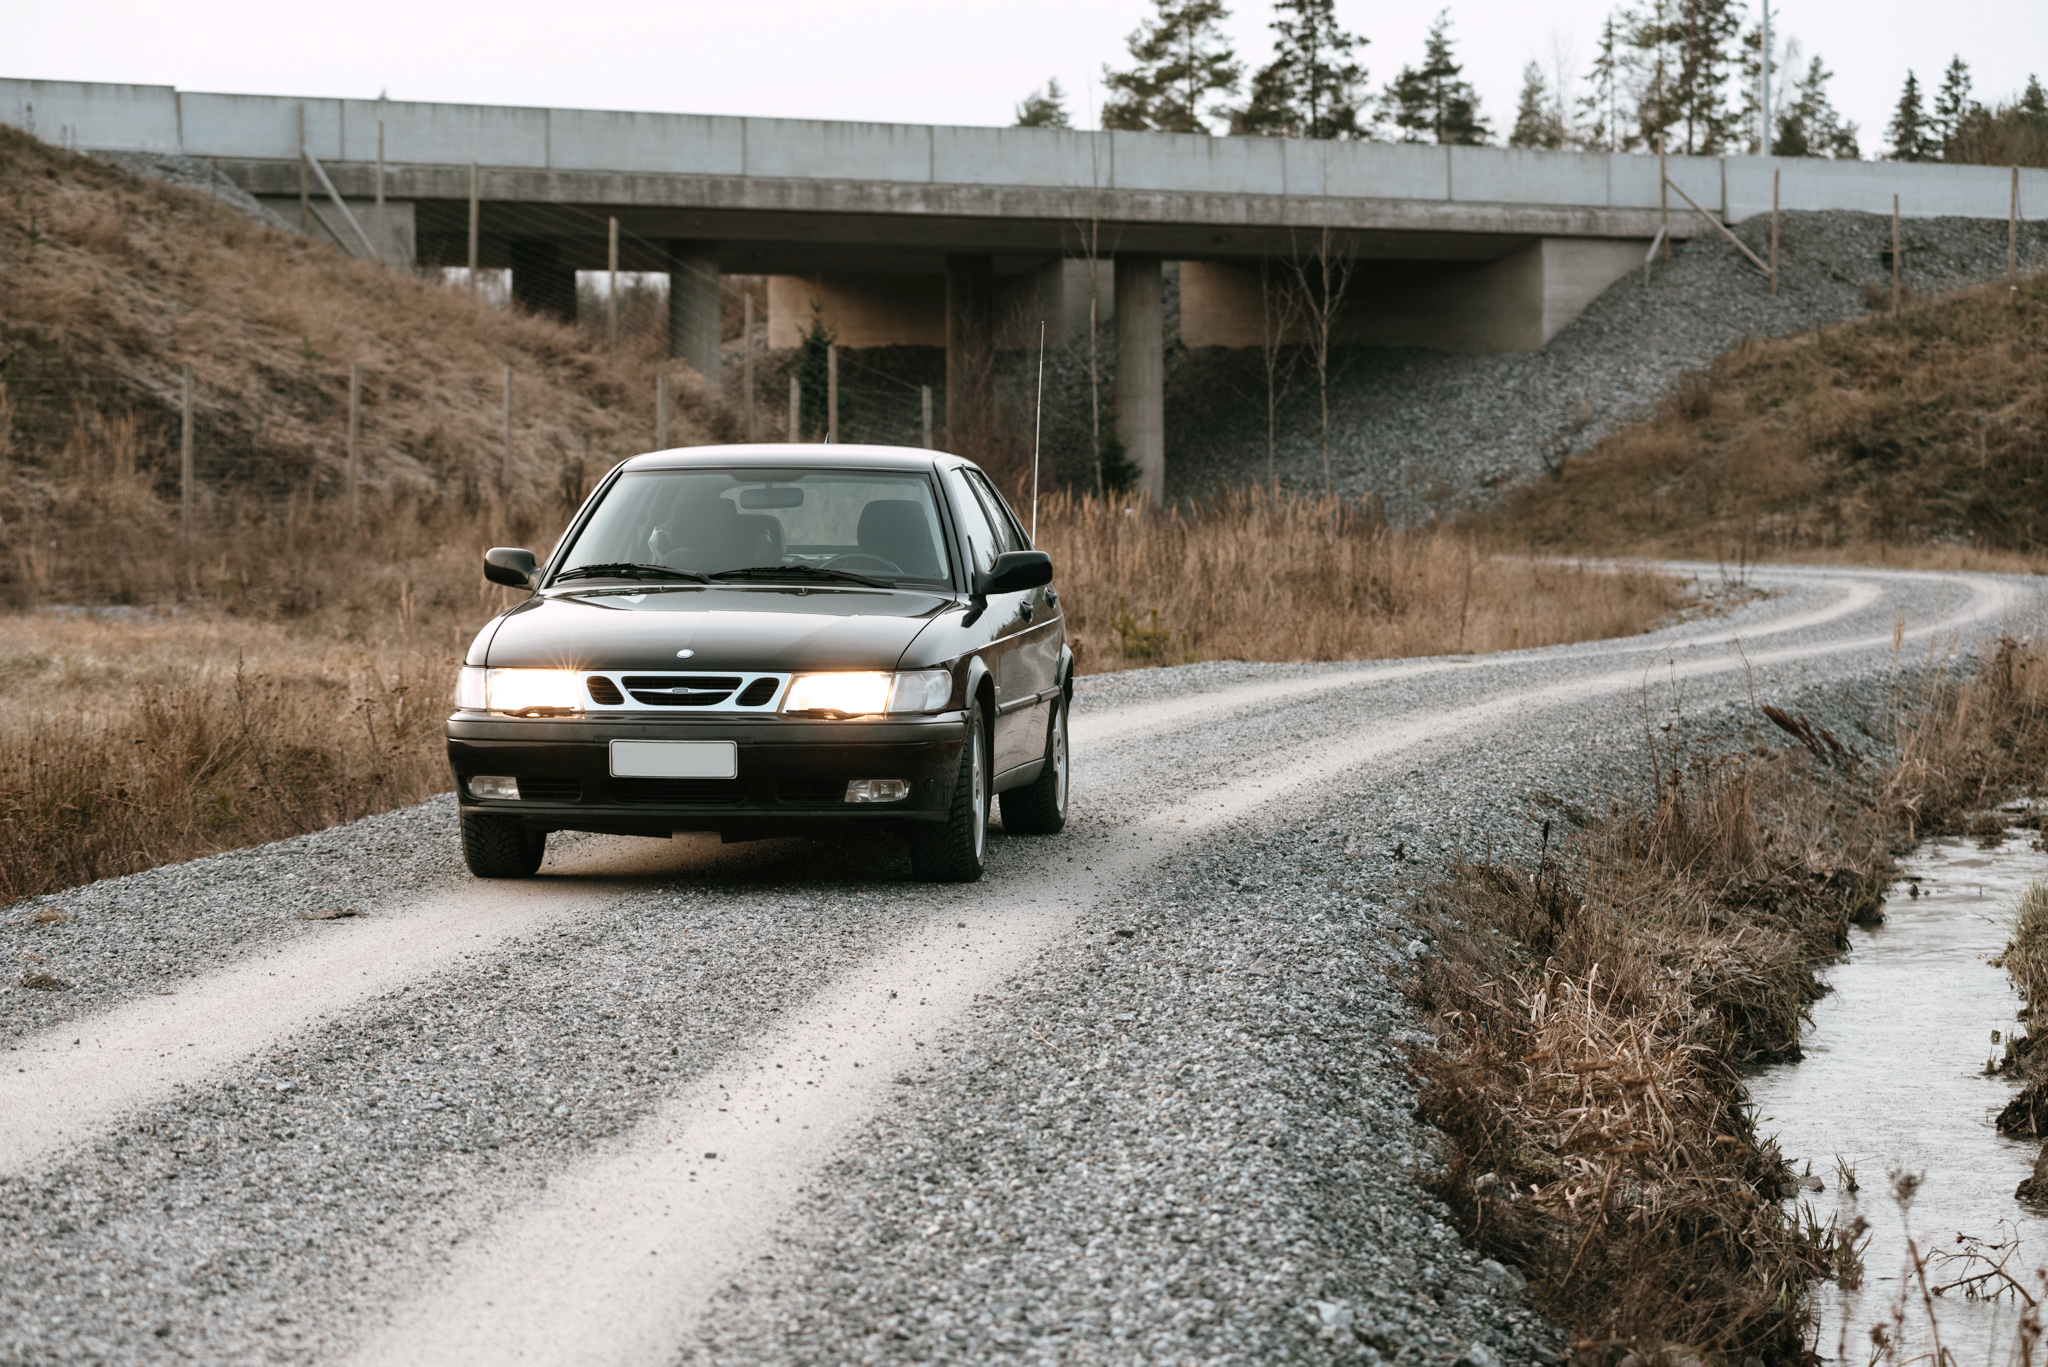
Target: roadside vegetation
x,y
1593,1013
1915,438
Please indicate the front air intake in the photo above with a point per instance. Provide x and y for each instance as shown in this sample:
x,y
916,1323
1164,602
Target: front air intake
x,y
604,692
759,692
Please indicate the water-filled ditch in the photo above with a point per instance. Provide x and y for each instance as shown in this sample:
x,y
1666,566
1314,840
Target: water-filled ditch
x,y
1894,1082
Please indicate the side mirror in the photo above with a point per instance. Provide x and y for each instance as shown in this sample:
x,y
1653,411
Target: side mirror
x,y
1016,571
510,565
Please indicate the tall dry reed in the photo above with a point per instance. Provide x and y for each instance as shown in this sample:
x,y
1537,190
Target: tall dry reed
x,y
1249,576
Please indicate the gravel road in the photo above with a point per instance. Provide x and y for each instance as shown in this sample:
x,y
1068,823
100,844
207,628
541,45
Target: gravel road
x,y
1136,1097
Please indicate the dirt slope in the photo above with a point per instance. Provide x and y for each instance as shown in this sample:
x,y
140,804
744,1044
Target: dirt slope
x,y
1928,429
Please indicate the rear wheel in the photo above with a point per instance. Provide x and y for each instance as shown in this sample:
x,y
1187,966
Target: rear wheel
x,y
499,847
1040,807
952,852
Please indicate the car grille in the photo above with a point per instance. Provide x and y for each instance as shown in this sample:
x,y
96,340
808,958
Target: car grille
x,y
550,790
758,692
812,790
681,690
604,692
682,791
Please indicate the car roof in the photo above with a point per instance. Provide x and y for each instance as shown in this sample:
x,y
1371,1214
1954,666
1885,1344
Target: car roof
x,y
816,454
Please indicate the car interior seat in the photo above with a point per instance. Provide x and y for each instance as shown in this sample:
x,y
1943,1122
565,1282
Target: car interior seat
x,y
898,530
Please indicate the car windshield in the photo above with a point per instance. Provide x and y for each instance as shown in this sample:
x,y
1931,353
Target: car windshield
x,y
819,526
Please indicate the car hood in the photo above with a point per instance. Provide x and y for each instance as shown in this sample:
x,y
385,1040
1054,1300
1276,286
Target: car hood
x,y
752,627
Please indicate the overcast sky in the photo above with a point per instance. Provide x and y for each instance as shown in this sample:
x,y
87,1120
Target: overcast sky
x,y
921,61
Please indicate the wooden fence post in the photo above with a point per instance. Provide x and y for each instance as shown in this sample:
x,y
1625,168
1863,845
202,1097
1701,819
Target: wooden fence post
x,y
185,457
1895,253
924,395
2012,233
832,392
796,409
1664,199
505,478
747,359
1774,225
611,292
305,188
660,409
475,213
355,390
383,235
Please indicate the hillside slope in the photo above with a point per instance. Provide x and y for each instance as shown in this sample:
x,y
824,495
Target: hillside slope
x,y
1928,429
110,283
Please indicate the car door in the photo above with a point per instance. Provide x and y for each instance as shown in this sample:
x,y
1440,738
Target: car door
x,y
1003,619
1035,658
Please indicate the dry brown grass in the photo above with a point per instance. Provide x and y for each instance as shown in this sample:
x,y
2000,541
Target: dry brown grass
x,y
1592,1014
1884,438
1249,577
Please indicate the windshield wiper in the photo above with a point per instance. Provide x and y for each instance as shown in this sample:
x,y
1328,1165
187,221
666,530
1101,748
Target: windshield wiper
x,y
626,570
771,572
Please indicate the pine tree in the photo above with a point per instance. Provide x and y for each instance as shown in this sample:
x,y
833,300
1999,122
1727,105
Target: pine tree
x,y
2035,100
1536,121
1431,101
1310,88
1179,59
1044,108
1908,128
1650,35
1808,124
1951,105
1703,39
1602,102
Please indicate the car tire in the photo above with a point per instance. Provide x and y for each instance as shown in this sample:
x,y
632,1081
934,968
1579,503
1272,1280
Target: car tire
x,y
954,851
1040,807
499,847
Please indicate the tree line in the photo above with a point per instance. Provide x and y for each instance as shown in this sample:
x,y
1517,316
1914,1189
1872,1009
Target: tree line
x,y
1683,76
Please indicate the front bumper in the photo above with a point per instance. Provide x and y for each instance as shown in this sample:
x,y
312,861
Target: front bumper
x,y
791,781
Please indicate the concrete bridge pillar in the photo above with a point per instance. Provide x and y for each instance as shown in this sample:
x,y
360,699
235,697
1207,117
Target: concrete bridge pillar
x,y
970,353
1141,371
693,306
541,282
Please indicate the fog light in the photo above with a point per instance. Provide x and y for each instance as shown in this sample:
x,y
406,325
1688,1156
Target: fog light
x,y
497,786
878,790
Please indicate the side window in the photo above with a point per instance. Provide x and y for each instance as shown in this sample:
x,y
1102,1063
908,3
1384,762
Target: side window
x,y
982,544
1009,536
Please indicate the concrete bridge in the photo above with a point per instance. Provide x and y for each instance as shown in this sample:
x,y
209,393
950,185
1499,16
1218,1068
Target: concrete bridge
x,y
966,237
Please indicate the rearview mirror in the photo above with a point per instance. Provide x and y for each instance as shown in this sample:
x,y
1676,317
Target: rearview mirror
x,y
510,565
1015,571
773,496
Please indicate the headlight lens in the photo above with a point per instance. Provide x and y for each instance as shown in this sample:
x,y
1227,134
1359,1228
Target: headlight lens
x,y
527,691
865,694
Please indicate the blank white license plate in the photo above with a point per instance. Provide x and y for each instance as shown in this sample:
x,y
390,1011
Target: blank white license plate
x,y
675,759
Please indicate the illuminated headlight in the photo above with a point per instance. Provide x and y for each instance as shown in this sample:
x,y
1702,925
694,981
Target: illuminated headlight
x,y
865,694
532,692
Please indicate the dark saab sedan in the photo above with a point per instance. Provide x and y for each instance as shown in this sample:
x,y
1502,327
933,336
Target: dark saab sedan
x,y
771,641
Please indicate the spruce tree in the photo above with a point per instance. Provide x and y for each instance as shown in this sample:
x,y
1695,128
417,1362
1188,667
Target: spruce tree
x,y
1951,106
1602,101
2034,101
1808,124
1179,60
1651,32
1536,121
1908,128
1044,108
1431,101
1703,42
1310,88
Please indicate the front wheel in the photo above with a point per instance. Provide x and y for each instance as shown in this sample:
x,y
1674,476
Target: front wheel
x,y
499,847
1040,807
953,852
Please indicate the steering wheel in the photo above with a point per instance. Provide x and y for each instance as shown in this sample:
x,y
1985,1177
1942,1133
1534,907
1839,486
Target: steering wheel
x,y
867,563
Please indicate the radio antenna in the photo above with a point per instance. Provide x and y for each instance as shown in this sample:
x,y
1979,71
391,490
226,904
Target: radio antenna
x,y
1037,427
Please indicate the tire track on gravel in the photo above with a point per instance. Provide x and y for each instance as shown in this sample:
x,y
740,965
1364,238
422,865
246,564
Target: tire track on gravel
x,y
626,1250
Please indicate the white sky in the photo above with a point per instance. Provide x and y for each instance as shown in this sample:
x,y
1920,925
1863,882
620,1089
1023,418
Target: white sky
x,y
919,61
